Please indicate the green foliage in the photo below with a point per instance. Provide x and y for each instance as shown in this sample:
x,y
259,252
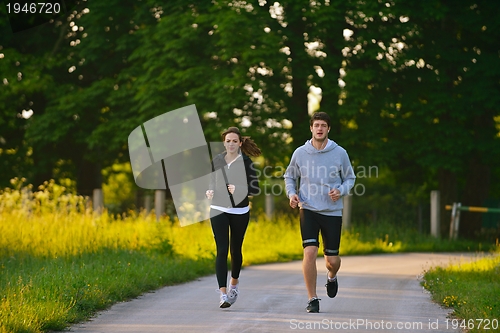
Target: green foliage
x,y
118,188
422,98
426,89
420,95
385,236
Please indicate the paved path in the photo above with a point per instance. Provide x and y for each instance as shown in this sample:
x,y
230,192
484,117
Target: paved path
x,y
377,293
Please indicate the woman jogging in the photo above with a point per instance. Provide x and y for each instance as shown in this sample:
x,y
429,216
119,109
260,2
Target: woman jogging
x,y
234,179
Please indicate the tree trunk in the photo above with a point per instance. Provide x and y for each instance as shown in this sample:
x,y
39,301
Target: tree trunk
x,y
478,179
89,177
298,106
477,186
43,166
331,89
334,43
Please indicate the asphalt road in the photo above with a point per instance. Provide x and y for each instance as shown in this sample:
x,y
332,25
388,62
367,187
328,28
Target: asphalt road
x,y
377,293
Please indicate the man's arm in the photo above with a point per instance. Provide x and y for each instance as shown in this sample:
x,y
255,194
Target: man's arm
x,y
347,174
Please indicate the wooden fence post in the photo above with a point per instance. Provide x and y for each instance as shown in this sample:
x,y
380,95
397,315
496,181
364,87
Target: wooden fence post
x,y
147,203
347,211
455,220
435,214
269,205
160,196
97,200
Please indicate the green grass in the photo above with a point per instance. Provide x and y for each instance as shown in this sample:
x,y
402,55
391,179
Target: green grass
x,y
40,294
387,237
60,263
472,290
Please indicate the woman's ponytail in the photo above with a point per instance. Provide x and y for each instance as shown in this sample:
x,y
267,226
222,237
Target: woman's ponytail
x,y
249,147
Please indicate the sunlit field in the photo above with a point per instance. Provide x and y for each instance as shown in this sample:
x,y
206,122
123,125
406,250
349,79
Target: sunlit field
x,y
60,262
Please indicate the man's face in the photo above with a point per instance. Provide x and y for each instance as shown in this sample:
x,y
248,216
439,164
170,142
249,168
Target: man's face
x,y
319,130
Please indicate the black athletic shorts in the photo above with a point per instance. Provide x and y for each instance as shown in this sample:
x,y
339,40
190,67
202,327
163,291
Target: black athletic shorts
x,y
311,223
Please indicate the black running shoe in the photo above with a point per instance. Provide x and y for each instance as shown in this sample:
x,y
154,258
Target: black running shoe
x,y
313,305
331,287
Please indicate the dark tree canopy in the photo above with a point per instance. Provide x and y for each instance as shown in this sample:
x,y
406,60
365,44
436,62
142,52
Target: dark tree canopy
x,y
411,87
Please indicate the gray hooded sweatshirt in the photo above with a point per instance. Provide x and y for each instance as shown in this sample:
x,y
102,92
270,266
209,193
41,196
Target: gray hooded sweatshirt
x,y
318,172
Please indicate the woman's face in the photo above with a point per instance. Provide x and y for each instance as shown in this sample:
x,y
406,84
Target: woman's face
x,y
232,143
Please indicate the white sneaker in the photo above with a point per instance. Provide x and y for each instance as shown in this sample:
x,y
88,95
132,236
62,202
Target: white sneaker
x,y
232,295
224,301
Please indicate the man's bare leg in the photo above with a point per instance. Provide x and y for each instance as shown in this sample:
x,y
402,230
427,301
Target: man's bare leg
x,y
309,270
332,265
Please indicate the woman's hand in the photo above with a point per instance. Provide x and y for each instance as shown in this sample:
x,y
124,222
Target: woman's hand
x,y
209,194
231,188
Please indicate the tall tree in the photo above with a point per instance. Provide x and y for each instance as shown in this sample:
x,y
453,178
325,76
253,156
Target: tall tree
x,y
27,61
98,39
431,95
244,61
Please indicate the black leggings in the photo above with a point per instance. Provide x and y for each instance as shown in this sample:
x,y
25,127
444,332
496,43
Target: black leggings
x,y
221,224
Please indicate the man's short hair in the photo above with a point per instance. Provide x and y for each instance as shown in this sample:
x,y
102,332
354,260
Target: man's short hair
x,y
320,116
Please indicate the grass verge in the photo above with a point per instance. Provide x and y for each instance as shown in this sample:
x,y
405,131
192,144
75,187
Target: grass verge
x,y
472,290
46,294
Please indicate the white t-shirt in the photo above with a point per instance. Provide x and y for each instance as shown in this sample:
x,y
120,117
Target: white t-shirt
x,y
232,210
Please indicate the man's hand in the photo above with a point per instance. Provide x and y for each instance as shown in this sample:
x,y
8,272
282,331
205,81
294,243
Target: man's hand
x,y
334,194
294,200
209,194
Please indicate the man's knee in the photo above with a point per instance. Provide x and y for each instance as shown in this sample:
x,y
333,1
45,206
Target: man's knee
x,y
310,252
333,263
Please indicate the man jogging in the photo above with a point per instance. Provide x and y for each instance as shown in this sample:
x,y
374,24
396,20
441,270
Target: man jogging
x,y
325,174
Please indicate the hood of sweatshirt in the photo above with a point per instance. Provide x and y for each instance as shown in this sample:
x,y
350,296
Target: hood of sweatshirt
x,y
331,145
